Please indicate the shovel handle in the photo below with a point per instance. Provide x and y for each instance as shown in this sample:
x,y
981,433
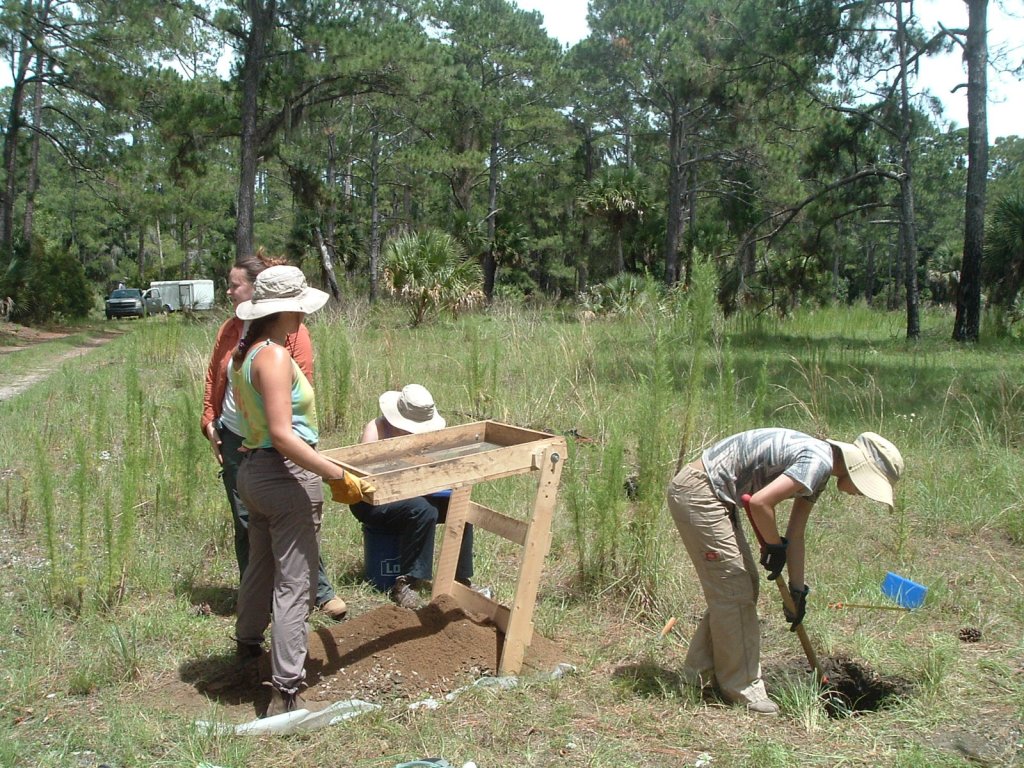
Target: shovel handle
x,y
866,605
787,601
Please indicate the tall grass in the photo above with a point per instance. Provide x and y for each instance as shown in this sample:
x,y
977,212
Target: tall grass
x,y
16,495
114,526
333,374
47,504
654,468
480,373
697,326
596,502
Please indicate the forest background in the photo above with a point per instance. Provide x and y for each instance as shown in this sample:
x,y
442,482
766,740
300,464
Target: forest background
x,y
789,143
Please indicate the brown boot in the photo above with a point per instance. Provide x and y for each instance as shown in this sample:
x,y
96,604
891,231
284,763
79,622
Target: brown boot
x,y
281,702
403,595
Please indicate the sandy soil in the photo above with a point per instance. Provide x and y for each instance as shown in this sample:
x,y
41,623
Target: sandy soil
x,y
384,655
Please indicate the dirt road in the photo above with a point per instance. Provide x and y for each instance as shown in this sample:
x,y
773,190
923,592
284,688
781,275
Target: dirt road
x,y
17,337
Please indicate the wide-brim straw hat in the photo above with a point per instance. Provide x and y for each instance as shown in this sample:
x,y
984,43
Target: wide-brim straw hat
x,y
281,289
411,409
874,465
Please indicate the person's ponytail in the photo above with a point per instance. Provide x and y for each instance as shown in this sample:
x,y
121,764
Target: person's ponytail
x,y
253,333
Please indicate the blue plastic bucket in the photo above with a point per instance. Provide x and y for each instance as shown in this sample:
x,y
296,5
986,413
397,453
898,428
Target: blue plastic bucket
x,y
382,562
903,592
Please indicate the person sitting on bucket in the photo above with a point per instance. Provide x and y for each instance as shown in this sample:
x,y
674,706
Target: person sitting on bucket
x,y
704,498
412,411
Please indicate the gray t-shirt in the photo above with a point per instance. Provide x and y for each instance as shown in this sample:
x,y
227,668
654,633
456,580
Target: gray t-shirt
x,y
748,461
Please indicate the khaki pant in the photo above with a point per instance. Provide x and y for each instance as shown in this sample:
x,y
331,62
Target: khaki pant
x,y
727,642
285,504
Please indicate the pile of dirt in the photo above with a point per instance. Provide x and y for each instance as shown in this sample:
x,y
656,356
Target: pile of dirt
x,y
386,654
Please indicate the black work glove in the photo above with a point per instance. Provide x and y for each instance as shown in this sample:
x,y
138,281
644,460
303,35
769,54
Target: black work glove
x,y
800,603
773,558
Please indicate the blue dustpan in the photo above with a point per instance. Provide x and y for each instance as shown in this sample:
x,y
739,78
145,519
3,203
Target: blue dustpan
x,y
903,592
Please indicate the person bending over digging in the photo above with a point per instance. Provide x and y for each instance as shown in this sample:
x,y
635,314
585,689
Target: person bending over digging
x,y
221,423
405,412
705,500
280,481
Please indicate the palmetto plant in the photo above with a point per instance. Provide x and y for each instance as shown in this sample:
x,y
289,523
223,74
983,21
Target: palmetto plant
x,y
429,270
1004,250
618,197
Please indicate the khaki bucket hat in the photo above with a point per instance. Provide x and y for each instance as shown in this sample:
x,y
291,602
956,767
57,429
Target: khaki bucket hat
x,y
411,409
874,465
281,289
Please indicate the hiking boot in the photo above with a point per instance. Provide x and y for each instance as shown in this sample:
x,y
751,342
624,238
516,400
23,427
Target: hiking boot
x,y
334,608
763,707
403,595
281,702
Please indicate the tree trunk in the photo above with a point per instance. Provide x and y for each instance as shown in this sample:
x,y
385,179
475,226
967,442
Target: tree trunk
x,y
331,215
490,262
869,276
676,194
374,213
583,258
462,179
908,225
35,20
349,185
891,300
837,265
33,168
908,244
745,263
326,262
966,326
261,16
10,154
691,216
142,250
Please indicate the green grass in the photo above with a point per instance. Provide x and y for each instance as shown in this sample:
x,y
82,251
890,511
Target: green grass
x,y
113,526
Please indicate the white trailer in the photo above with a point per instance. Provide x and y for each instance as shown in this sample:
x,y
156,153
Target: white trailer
x,y
176,295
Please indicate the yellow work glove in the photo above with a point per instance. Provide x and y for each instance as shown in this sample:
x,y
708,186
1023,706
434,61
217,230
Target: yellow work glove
x,y
349,489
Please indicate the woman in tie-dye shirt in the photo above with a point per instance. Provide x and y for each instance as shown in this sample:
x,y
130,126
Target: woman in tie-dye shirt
x,y
280,480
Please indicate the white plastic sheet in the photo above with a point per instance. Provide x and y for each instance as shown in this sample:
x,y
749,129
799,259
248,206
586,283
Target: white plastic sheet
x,y
293,722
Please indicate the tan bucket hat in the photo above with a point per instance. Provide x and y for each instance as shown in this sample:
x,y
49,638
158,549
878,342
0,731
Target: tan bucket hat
x,y
412,409
874,465
281,289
